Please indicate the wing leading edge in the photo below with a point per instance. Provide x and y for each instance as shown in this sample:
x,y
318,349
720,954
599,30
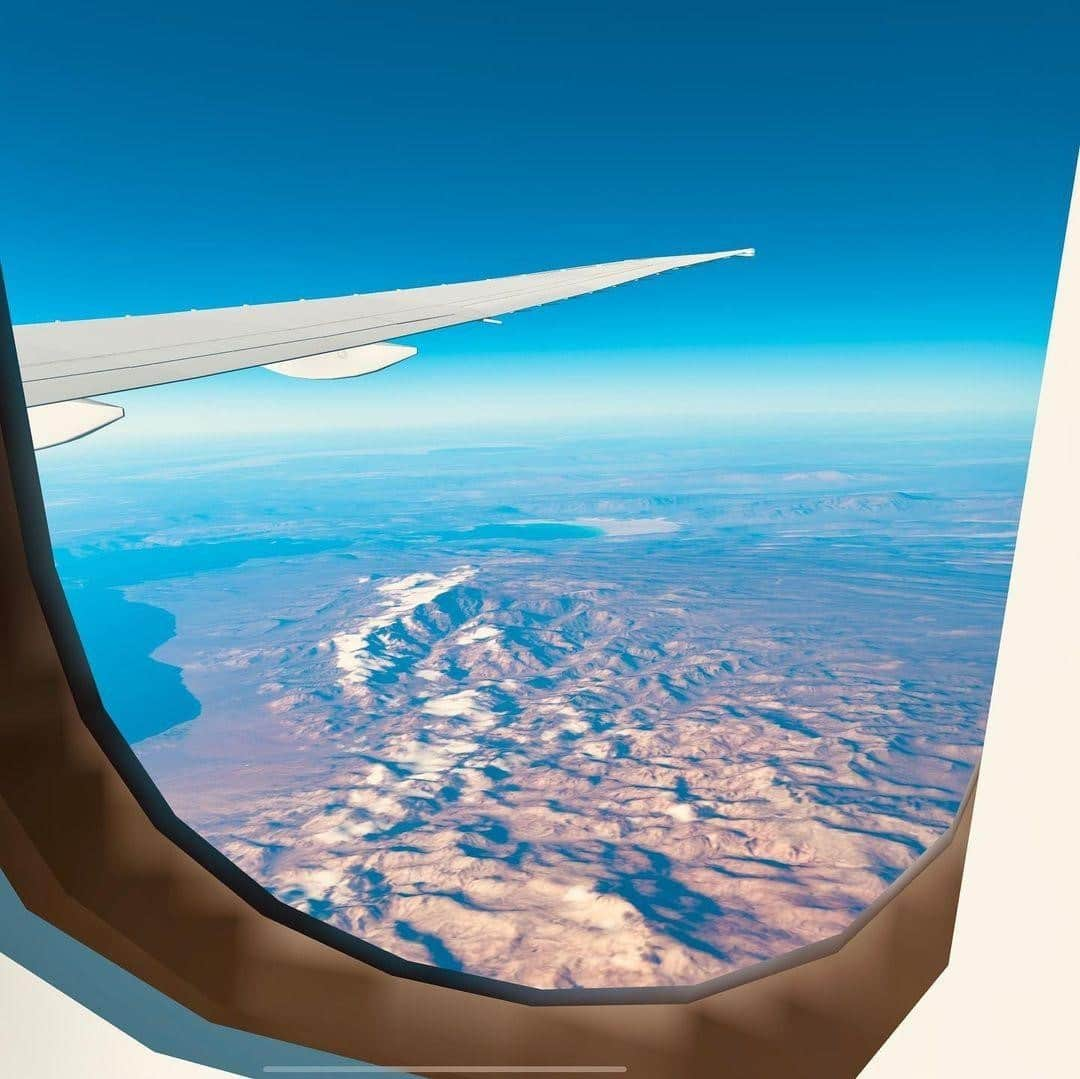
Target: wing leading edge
x,y
69,361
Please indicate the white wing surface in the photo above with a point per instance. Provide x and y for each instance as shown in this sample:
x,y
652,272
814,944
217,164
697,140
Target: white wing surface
x,y
68,361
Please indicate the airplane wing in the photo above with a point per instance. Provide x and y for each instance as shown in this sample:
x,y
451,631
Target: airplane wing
x,y
64,364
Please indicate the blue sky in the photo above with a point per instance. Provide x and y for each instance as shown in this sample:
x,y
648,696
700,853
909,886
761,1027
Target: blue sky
x,y
904,176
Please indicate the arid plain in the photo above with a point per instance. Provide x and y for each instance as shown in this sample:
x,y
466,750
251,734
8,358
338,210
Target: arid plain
x,y
567,715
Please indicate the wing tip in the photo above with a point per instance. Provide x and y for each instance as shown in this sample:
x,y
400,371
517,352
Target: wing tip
x,y
712,256
678,262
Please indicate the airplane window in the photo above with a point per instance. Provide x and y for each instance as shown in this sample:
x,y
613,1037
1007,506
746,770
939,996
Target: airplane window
x,y
610,705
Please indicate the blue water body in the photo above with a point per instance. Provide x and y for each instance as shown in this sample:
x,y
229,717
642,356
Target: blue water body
x,y
139,563
526,530
143,695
